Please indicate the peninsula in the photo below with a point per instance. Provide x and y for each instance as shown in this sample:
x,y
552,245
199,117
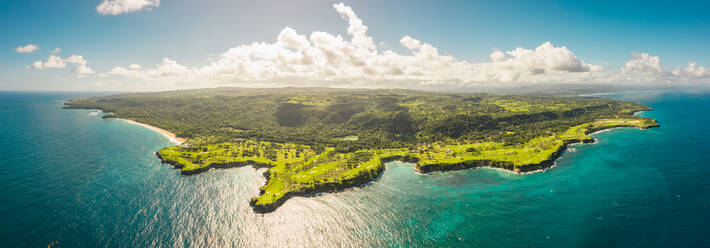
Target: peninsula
x,y
314,140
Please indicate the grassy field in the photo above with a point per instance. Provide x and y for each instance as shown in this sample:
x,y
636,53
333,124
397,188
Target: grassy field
x,y
514,105
528,154
300,169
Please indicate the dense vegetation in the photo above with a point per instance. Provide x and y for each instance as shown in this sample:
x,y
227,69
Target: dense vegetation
x,y
316,139
379,118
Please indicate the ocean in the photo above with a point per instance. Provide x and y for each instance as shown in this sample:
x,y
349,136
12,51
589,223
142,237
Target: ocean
x,y
72,179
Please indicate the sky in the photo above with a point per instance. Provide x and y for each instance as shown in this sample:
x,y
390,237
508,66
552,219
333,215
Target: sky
x,y
148,45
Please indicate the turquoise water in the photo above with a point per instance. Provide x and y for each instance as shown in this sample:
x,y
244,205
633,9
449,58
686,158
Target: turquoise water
x,y
70,177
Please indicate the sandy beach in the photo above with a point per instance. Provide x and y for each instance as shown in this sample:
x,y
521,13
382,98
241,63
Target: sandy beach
x,y
164,132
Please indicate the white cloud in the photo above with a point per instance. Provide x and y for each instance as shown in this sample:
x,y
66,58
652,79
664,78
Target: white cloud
x,y
545,63
123,71
56,50
643,63
117,7
692,71
324,59
410,43
56,62
357,29
497,56
27,49
53,62
290,39
547,57
129,71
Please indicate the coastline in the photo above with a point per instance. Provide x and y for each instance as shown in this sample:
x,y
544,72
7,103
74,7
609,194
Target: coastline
x,y
272,195
173,138
549,163
366,179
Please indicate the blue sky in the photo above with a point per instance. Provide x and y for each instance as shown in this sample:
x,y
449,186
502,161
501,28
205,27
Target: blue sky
x,y
195,34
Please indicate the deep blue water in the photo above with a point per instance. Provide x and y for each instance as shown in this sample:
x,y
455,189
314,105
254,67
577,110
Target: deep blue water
x,y
72,178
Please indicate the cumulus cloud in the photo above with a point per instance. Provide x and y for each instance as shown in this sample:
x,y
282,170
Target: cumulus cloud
x,y
27,49
53,62
357,29
56,50
497,56
290,39
56,62
410,43
691,71
643,63
123,71
324,59
547,57
118,7
542,64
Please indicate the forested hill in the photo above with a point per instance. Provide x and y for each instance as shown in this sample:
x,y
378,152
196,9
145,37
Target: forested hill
x,y
351,119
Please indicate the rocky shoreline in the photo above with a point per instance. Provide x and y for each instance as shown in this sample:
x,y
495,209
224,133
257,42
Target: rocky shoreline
x,y
358,181
212,166
366,178
549,162
331,187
